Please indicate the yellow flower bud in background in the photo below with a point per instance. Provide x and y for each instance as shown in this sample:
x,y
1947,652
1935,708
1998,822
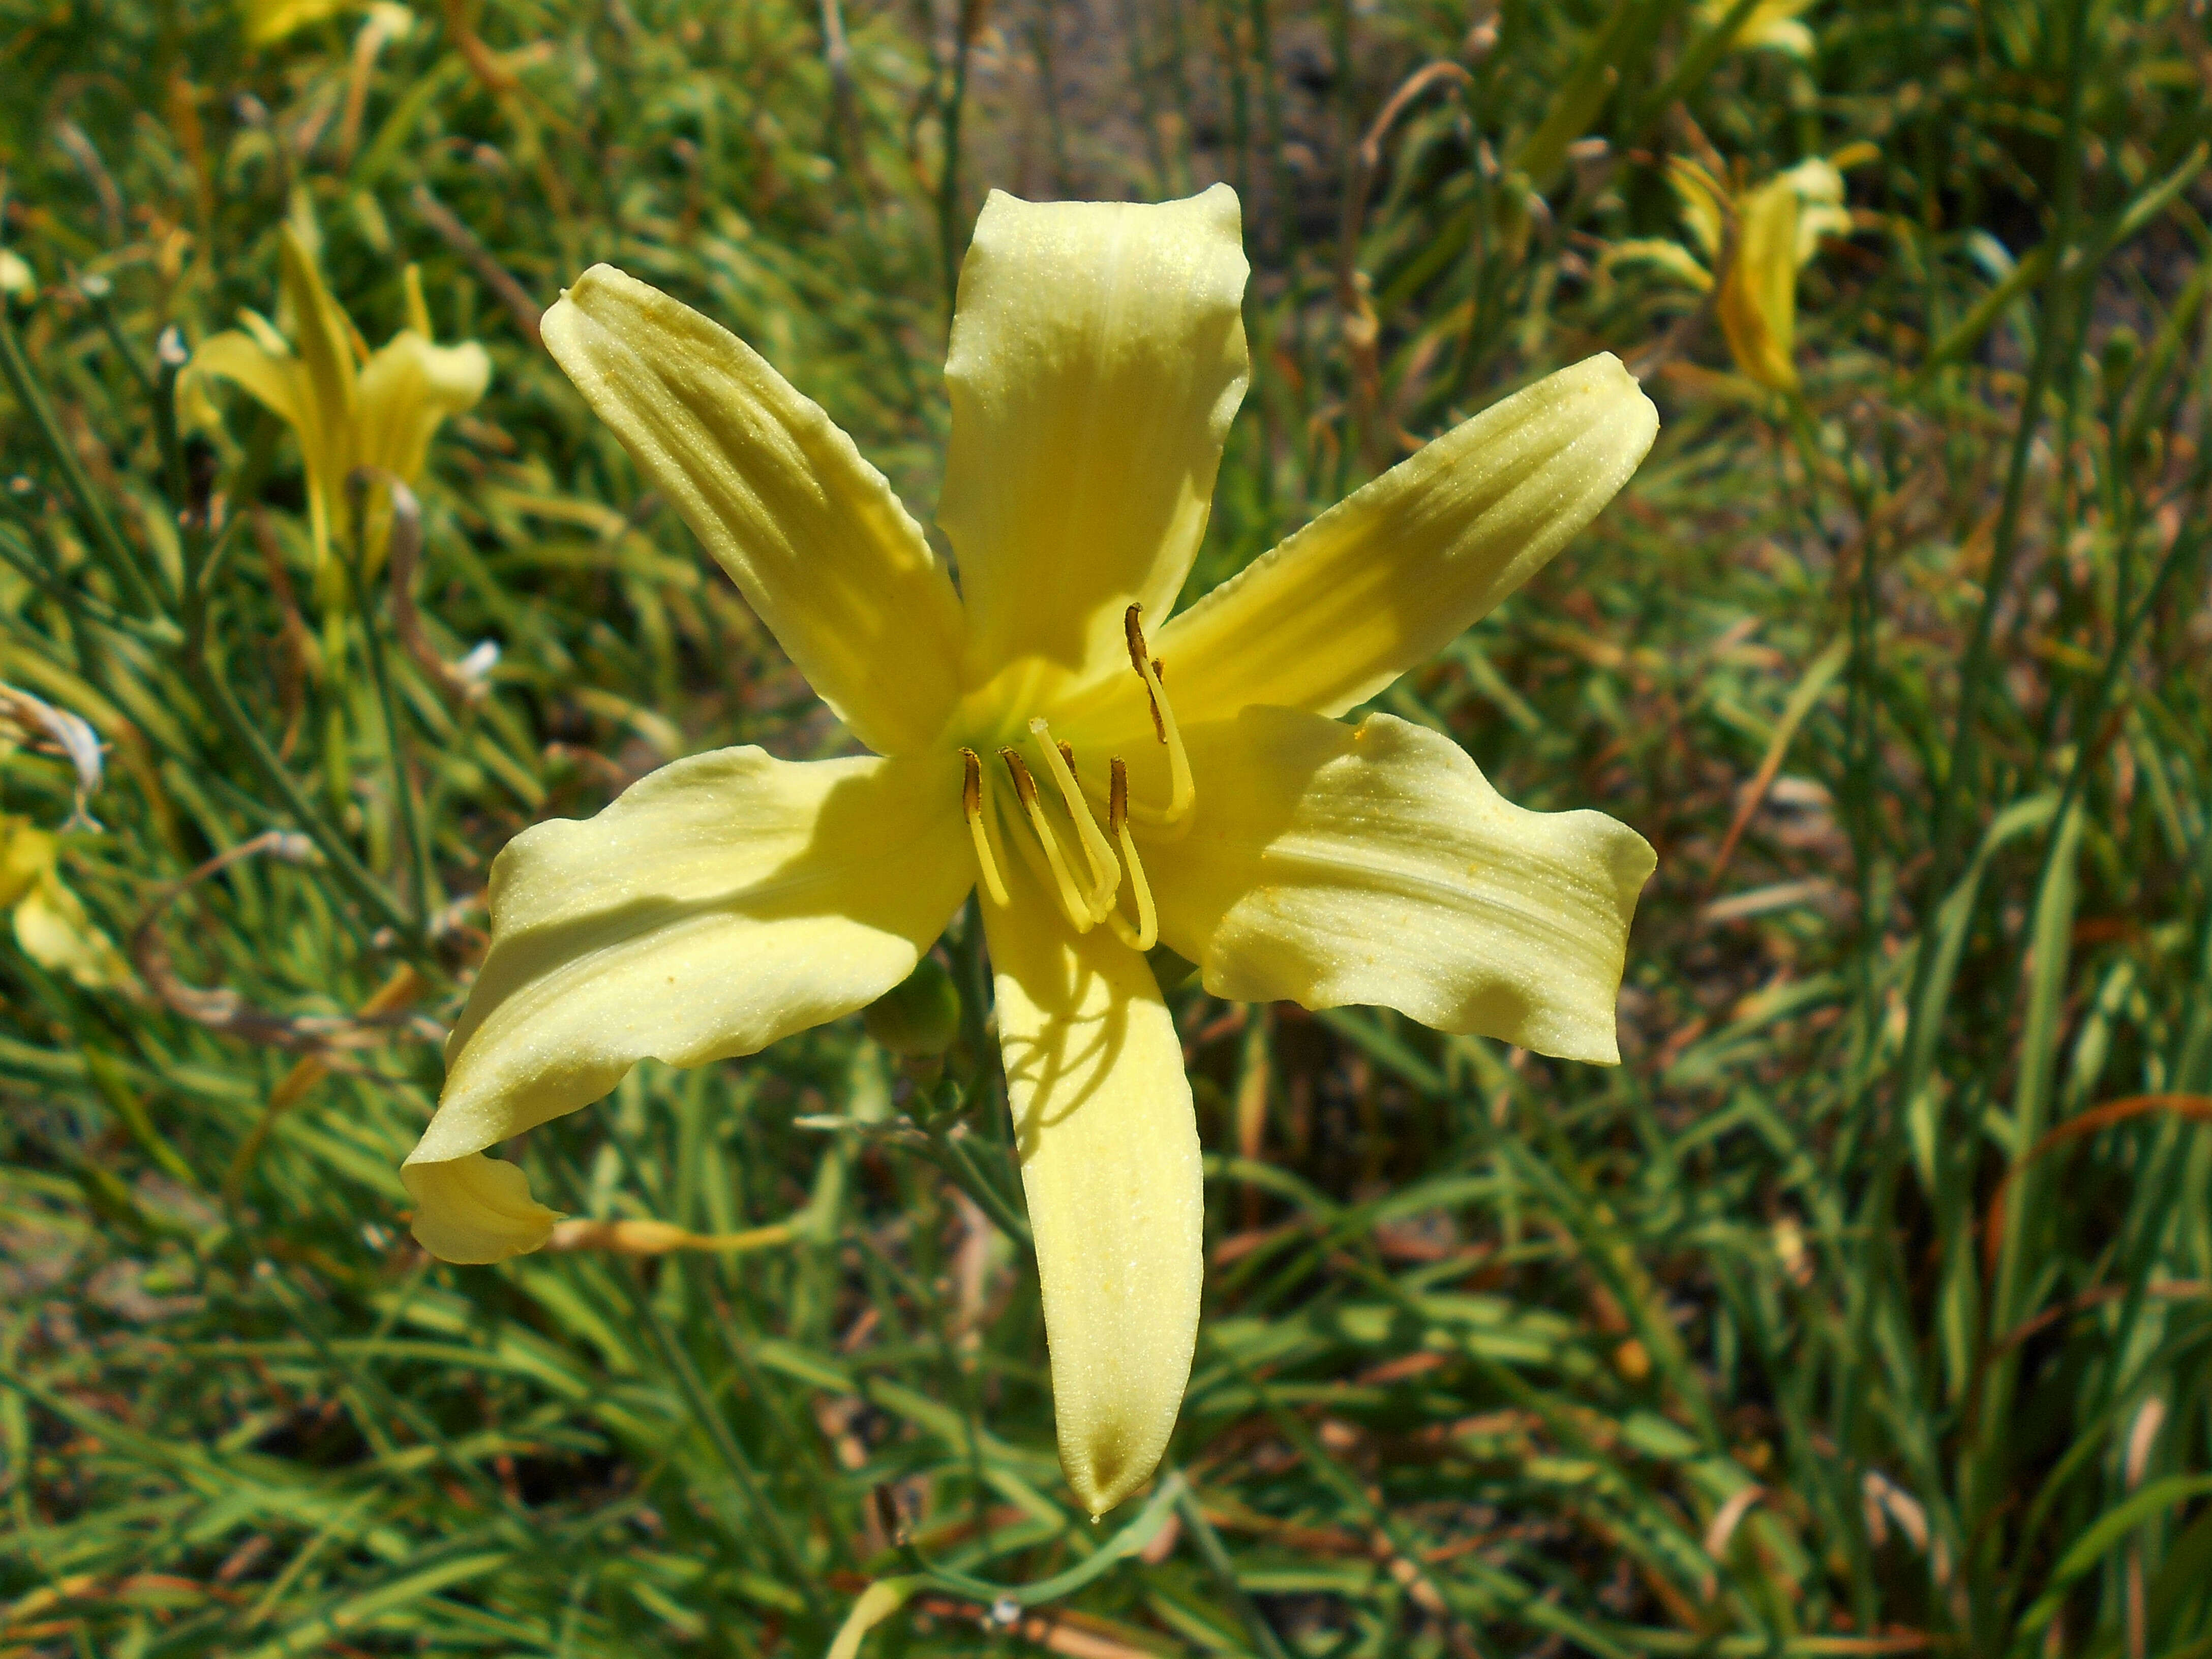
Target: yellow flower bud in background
x,y
1756,241
1758,301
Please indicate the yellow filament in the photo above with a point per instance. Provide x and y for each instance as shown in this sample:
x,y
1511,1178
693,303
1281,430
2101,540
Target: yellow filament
x,y
1182,792
971,808
1071,897
1146,933
1105,872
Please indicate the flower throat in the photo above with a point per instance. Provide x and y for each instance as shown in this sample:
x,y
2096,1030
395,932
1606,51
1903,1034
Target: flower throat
x,y
1091,895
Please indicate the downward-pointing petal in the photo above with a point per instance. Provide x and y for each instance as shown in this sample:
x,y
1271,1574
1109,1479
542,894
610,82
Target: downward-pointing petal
x,y
475,1209
720,903
1109,1146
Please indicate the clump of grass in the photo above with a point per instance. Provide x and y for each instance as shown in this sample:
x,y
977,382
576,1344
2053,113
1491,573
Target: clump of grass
x,y
1864,1309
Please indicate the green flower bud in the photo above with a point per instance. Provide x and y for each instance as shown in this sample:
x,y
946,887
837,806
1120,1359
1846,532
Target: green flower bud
x,y
919,1018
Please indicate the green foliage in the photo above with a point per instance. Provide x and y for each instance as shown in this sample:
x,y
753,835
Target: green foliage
x,y
1866,1309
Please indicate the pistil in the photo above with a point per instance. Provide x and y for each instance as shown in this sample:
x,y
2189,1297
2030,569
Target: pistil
x,y
1072,901
1105,873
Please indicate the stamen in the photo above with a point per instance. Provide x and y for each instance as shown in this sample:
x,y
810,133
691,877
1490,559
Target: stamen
x,y
1132,630
1105,873
971,808
1070,898
1146,933
1181,790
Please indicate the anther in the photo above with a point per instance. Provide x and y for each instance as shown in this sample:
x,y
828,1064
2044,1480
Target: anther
x,y
1132,630
1181,790
1146,933
1105,871
971,808
1072,901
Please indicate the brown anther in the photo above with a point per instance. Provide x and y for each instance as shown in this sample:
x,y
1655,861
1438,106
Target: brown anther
x,y
1067,754
1117,796
1024,785
971,783
1132,630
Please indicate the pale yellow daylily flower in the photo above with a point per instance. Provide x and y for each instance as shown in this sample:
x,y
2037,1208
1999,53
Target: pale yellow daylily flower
x,y
1778,228
347,407
1770,26
50,920
1103,782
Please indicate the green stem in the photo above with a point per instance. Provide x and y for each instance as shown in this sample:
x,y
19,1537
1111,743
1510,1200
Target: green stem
x,y
1212,1551
222,702
948,180
122,560
768,1518
1123,1544
1953,788
953,1156
422,877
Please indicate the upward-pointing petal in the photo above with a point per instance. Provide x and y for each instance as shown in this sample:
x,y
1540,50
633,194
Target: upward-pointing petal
x,y
809,531
1097,359
323,338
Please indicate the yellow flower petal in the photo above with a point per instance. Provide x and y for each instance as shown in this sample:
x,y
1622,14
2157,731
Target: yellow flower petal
x,y
27,854
271,20
54,931
1670,258
475,1209
1772,24
50,920
1758,302
323,337
276,382
718,904
1097,359
1702,201
1108,1145
1383,579
407,387
1820,211
1786,35
807,529
1329,864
